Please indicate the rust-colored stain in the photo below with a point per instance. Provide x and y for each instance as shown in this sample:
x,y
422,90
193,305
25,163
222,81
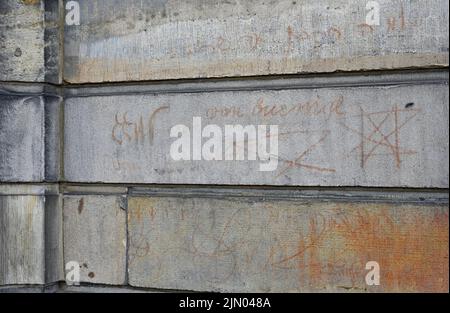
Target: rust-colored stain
x,y
412,251
310,247
31,2
30,207
141,208
80,205
91,274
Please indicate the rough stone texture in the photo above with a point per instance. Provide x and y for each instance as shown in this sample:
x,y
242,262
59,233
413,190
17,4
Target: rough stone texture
x,y
53,136
54,260
30,235
53,55
243,245
29,136
166,39
22,241
102,289
365,128
22,138
394,135
95,237
30,289
30,41
22,41
94,189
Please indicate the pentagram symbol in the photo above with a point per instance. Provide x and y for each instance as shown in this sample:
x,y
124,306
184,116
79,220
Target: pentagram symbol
x,y
380,133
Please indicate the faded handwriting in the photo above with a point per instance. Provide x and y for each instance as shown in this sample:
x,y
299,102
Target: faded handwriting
x,y
303,244
224,111
380,132
313,107
298,36
124,130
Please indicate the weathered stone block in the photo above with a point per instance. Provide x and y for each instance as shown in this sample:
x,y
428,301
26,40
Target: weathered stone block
x,y
95,237
250,245
376,133
166,39
22,138
30,41
30,235
29,136
22,256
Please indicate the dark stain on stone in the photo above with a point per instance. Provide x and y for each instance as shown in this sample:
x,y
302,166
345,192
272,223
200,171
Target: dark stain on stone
x,y
18,52
408,105
91,275
85,265
80,205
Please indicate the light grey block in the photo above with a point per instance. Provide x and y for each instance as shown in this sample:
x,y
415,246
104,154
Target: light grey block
x,y
95,237
364,133
31,235
30,41
167,39
248,245
30,128
22,133
22,240
22,40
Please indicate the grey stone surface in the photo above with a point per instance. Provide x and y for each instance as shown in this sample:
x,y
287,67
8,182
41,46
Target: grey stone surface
x,y
94,189
372,195
31,235
22,41
248,245
68,171
53,138
22,135
30,41
29,189
103,289
50,288
54,259
29,136
166,39
53,38
386,134
95,237
22,240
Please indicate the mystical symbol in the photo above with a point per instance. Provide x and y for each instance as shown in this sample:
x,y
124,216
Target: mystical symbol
x,y
298,163
380,133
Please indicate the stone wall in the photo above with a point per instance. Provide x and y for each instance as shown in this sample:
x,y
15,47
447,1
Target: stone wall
x,y
361,172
